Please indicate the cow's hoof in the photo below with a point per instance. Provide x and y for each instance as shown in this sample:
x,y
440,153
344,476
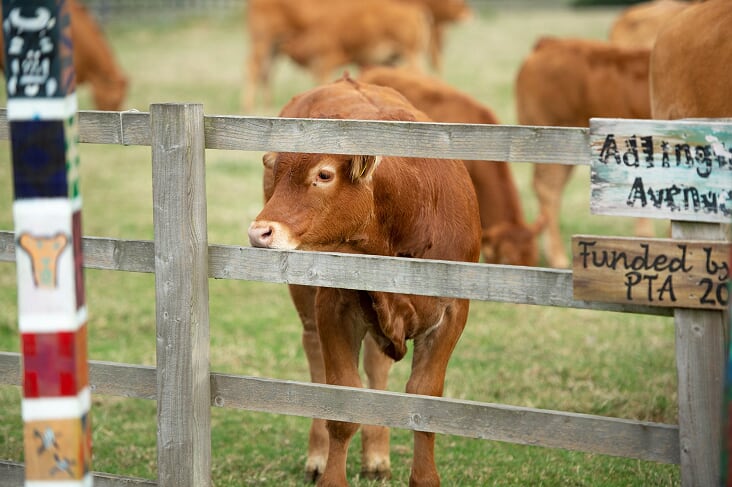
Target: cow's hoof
x,y
314,468
312,476
379,473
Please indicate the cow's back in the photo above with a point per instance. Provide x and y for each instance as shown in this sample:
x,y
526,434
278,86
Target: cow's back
x,y
691,63
365,33
594,78
440,101
638,25
498,196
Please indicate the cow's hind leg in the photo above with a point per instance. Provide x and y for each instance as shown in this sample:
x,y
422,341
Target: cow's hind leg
x,y
549,183
432,352
375,462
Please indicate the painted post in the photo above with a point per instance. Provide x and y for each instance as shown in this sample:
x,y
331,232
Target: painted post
x,y
52,315
725,477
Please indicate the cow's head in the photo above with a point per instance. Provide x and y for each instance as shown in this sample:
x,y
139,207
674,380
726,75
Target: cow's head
x,y
314,201
109,94
512,243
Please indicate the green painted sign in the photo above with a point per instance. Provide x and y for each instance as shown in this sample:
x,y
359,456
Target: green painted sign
x,y
677,170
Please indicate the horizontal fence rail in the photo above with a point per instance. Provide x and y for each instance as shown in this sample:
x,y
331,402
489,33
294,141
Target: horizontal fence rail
x,y
527,426
483,282
511,143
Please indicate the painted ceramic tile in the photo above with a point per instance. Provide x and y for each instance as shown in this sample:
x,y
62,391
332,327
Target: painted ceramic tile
x,y
54,364
78,260
45,266
39,67
71,133
39,158
57,450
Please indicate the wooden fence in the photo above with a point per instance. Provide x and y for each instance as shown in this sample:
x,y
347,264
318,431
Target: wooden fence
x,y
185,388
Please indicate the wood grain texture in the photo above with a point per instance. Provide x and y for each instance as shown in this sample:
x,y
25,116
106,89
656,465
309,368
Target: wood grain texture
x,y
700,364
654,272
181,295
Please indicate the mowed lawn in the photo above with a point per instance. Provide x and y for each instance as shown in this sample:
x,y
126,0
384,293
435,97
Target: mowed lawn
x,y
612,364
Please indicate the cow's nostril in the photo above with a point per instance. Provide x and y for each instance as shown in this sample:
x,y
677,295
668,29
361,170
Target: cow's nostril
x,y
260,234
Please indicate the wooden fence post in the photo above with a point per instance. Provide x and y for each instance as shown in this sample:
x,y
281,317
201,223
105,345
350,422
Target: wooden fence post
x,y
181,294
700,359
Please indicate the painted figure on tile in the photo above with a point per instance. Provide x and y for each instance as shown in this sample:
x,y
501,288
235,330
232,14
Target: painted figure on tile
x,y
44,253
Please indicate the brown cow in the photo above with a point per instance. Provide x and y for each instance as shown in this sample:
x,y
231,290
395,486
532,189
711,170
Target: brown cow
x,y
691,64
322,35
507,239
638,25
565,82
396,206
93,60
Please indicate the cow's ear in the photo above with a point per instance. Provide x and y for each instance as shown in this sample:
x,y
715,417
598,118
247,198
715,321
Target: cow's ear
x,y
363,167
268,159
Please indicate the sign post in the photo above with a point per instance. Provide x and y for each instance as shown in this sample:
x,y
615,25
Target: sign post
x,y
52,315
681,171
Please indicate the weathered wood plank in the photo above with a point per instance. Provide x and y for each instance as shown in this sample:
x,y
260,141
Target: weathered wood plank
x,y
654,272
181,295
483,282
13,474
443,140
700,365
527,426
680,170
462,141
123,128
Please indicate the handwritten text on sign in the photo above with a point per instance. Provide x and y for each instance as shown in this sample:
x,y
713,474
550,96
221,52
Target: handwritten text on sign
x,y
653,272
672,170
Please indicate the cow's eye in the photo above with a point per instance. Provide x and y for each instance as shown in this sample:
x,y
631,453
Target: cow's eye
x,y
325,176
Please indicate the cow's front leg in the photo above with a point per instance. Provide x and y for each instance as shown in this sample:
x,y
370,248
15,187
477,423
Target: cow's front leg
x,y
375,462
341,332
303,297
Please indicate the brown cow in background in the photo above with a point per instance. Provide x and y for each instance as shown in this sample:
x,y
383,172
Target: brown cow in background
x,y
507,239
94,61
565,82
638,25
691,64
322,35
396,206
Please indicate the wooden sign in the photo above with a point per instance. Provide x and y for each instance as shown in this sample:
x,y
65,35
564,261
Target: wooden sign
x,y
653,272
678,170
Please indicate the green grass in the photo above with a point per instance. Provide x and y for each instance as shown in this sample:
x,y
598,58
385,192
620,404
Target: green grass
x,y
611,364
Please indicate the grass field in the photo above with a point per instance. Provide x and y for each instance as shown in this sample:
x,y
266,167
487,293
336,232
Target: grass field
x,y
611,364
